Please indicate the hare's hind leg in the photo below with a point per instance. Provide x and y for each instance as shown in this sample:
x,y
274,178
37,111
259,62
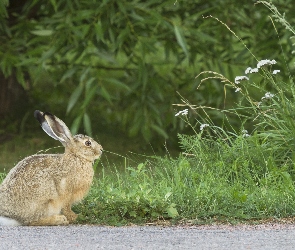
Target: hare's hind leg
x,y
54,220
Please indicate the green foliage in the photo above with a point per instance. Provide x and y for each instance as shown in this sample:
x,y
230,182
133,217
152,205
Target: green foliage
x,y
123,62
2,176
220,175
3,5
133,195
212,180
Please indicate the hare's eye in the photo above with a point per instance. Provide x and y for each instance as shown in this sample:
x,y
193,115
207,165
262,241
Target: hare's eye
x,y
88,143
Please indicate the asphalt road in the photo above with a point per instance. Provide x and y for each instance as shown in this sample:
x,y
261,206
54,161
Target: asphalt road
x,y
272,236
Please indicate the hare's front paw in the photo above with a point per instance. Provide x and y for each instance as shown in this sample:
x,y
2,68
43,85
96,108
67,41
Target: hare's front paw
x,y
71,216
61,220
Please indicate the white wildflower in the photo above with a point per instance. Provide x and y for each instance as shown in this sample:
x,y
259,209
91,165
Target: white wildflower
x,y
204,126
276,71
267,95
182,112
265,62
254,70
249,70
240,78
238,89
245,133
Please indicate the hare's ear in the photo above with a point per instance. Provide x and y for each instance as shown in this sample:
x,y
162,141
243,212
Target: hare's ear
x,y
53,126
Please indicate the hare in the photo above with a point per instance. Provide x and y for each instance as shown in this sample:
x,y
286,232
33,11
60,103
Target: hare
x,y
41,188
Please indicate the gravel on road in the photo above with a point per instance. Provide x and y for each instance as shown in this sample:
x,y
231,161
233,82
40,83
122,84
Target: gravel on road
x,y
269,236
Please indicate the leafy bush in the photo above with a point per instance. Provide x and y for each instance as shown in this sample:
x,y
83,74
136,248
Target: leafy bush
x,y
123,62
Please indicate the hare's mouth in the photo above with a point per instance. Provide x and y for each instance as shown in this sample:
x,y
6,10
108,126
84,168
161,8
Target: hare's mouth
x,y
99,154
91,157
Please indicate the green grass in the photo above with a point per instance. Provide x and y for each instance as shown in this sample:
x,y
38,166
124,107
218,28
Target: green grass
x,y
218,181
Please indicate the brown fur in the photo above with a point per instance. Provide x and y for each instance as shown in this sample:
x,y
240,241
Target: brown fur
x,y
41,189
